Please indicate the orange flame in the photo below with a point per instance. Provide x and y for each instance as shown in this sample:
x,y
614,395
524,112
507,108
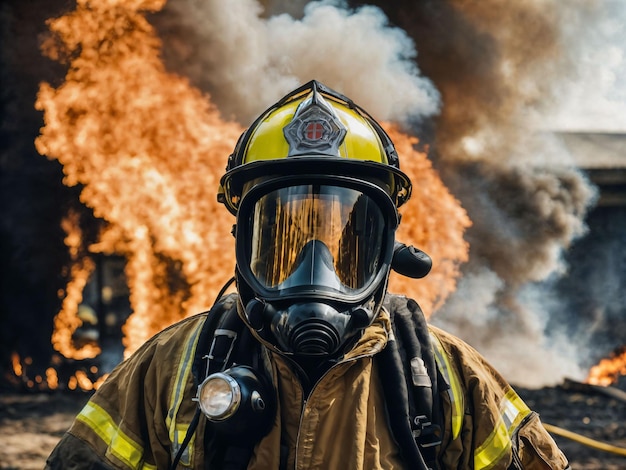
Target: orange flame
x,y
52,379
17,364
608,370
67,321
146,146
434,221
149,149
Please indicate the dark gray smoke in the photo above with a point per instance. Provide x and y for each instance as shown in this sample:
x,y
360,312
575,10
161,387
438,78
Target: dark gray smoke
x,y
501,68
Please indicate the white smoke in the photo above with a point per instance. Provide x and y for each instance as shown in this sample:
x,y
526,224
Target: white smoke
x,y
514,340
247,61
594,97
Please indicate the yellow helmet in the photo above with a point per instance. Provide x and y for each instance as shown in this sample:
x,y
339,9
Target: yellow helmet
x,y
315,185
314,129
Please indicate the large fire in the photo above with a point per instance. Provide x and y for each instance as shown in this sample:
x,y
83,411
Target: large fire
x,y
149,149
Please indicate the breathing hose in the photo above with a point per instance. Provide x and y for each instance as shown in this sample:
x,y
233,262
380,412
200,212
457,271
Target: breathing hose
x,y
584,440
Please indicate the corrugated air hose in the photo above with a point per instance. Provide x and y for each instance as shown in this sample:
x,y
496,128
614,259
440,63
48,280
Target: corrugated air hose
x,y
584,440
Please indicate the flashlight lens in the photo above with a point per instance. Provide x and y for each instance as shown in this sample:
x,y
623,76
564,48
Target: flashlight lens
x,y
219,396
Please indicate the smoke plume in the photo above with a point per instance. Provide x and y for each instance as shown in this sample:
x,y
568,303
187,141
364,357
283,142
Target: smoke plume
x,y
247,61
496,68
499,68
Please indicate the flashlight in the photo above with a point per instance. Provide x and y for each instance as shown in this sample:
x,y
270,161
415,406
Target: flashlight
x,y
237,402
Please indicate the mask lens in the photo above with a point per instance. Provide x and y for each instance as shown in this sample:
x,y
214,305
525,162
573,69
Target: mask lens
x,y
331,236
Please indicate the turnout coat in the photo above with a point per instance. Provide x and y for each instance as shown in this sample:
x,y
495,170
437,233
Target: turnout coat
x,y
139,417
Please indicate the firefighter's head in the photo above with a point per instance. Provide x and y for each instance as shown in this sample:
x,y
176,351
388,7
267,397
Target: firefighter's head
x,y
315,185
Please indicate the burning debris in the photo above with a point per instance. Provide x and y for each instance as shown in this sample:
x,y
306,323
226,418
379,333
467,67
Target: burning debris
x,y
609,370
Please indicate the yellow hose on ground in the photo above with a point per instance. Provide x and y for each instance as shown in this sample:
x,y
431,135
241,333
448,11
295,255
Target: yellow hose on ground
x,y
584,440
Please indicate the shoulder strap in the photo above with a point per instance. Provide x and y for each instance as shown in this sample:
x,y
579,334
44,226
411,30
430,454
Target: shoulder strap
x,y
416,375
213,317
216,318
228,342
228,330
217,335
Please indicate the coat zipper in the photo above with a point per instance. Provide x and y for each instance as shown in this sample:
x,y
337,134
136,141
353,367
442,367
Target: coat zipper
x,y
305,400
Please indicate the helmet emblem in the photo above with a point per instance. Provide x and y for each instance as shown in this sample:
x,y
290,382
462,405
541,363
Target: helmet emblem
x,y
315,128
314,131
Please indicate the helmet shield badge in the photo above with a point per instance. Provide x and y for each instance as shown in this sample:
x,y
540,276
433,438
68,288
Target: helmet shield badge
x,y
315,128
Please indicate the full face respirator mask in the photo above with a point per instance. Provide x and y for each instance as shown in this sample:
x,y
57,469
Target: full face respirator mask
x,y
314,259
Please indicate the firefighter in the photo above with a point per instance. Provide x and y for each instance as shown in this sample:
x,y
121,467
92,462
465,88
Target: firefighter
x,y
311,364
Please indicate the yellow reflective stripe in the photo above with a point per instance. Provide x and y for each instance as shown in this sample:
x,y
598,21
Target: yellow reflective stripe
x,y
512,411
177,431
119,443
455,391
494,447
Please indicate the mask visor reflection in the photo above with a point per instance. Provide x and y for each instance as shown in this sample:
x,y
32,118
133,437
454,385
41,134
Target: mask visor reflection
x,y
347,229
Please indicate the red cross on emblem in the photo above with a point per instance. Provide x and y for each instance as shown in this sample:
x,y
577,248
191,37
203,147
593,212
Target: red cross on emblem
x,y
313,131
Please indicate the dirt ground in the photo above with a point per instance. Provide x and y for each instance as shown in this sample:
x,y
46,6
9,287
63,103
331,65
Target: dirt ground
x,y
597,413
32,423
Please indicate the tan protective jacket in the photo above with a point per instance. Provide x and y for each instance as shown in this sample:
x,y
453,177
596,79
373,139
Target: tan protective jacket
x,y
139,417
